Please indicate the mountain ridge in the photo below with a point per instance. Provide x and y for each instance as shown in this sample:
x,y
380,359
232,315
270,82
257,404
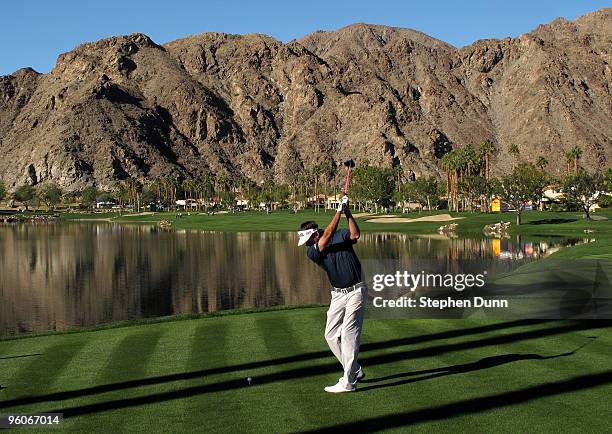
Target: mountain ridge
x,y
254,107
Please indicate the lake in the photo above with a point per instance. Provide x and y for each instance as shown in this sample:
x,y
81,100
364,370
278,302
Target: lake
x,y
62,276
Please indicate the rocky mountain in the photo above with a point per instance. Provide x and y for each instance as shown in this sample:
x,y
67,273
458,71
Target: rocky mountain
x,y
252,106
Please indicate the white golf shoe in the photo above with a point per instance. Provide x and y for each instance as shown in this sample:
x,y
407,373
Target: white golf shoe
x,y
340,388
360,375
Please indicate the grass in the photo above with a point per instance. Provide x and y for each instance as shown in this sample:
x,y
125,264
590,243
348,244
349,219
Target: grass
x,y
424,375
284,220
535,224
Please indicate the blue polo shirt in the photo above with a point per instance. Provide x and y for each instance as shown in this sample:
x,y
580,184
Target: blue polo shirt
x,y
338,259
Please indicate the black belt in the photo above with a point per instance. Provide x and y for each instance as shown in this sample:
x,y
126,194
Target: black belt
x,y
348,289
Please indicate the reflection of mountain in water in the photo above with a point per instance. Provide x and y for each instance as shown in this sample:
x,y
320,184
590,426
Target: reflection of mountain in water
x,y
63,276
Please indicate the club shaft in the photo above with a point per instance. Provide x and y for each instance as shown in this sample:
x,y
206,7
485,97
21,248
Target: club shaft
x,y
348,180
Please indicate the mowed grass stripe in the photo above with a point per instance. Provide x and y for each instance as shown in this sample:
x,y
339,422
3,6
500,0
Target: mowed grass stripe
x,y
547,360
281,340
171,357
35,375
208,349
245,347
131,356
447,366
222,342
573,409
14,355
208,346
128,361
86,366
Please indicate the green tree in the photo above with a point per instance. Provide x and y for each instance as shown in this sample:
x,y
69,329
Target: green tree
x,y
205,190
266,194
424,190
121,194
608,177
50,195
485,151
315,173
373,185
541,162
569,157
452,164
582,190
281,194
149,197
476,190
515,152
88,196
134,191
228,199
25,194
576,153
525,183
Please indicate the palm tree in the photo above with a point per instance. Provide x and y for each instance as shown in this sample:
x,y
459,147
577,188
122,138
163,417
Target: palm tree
x,y
469,159
515,152
569,157
399,174
206,188
541,162
315,171
158,185
485,151
452,164
576,152
134,189
170,186
326,170
121,193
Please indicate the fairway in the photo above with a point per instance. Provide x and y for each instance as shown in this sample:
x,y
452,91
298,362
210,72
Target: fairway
x,y
425,375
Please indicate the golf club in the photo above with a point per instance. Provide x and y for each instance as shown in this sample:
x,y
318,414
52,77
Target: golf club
x,y
348,163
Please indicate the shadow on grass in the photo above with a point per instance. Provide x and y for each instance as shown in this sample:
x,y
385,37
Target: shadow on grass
x,y
286,375
486,363
372,346
551,221
19,357
470,406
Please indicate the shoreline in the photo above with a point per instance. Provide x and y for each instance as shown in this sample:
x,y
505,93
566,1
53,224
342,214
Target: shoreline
x,y
158,320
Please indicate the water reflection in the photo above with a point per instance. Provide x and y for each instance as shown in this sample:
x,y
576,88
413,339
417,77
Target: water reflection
x,y
55,277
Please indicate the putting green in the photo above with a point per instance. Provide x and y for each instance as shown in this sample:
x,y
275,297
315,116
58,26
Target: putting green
x,y
424,375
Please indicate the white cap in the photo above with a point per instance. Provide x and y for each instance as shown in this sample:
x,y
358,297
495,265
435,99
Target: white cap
x,y
305,236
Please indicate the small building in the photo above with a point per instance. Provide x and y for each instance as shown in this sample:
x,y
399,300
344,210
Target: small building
x,y
187,203
105,205
497,205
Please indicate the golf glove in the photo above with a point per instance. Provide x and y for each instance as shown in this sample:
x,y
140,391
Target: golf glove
x,y
343,204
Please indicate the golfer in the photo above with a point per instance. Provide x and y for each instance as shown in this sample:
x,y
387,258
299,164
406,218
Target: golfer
x,y
332,250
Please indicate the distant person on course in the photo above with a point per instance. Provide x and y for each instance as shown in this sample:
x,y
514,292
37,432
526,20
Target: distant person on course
x,y
333,251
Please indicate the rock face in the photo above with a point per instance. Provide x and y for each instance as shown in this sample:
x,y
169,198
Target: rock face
x,y
254,107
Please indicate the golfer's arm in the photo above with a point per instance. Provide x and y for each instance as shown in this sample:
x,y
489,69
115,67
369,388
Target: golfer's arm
x,y
352,224
329,231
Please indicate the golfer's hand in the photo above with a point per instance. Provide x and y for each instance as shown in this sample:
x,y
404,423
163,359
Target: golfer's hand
x,y
343,204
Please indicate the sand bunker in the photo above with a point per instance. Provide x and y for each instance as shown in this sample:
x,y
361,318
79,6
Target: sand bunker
x,y
367,214
137,214
429,218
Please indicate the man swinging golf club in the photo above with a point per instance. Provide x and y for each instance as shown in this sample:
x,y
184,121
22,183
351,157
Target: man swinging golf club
x,y
332,250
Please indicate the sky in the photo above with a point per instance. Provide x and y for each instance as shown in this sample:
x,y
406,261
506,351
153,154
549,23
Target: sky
x,y
33,33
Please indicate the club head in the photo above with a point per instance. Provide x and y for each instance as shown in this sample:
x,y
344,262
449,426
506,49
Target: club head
x,y
349,163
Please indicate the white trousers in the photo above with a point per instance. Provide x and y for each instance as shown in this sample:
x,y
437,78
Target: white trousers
x,y
343,329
